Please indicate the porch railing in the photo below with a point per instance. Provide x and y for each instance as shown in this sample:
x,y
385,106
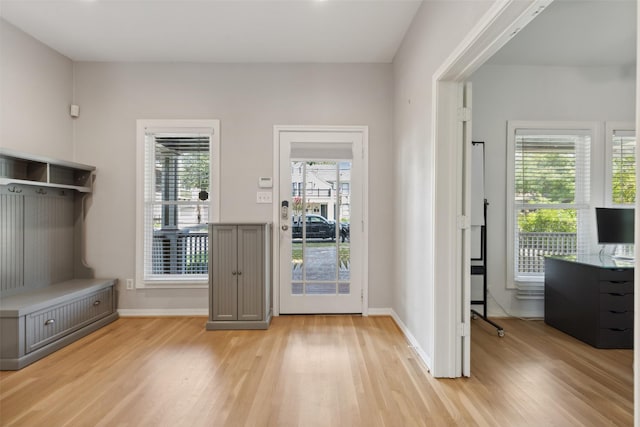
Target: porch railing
x,y
177,252
312,192
533,247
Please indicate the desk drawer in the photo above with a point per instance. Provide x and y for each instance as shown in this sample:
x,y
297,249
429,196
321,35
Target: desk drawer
x,y
50,324
616,287
616,320
616,274
613,338
616,302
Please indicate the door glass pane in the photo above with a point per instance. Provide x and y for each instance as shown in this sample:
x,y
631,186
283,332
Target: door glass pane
x,y
320,254
297,288
344,216
321,288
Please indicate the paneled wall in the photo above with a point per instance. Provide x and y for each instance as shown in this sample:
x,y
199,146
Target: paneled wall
x,y
36,237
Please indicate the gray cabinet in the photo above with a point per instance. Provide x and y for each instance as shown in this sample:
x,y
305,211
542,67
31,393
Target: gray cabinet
x,y
239,276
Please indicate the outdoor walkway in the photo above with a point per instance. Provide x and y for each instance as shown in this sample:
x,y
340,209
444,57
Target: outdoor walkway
x,y
320,262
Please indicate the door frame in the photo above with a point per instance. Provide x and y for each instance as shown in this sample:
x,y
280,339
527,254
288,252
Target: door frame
x,y
501,22
364,131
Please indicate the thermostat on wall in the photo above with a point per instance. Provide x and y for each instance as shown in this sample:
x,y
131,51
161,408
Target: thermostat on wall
x,y
265,182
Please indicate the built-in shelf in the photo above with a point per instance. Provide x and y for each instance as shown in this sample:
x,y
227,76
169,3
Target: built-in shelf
x,y
27,169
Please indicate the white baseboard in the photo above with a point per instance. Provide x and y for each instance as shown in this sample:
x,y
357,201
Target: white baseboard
x,y
379,311
412,340
162,312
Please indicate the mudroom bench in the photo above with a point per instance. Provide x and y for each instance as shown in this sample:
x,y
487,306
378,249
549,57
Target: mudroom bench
x,y
36,323
49,297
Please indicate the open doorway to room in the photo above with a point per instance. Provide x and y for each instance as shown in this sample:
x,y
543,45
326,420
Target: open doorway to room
x,y
542,106
555,108
464,65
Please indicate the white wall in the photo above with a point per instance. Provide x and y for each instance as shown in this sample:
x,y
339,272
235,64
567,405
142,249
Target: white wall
x,y
36,88
502,93
248,100
436,30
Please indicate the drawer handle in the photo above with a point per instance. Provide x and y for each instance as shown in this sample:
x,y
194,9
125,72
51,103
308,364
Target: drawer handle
x,y
619,329
617,312
96,303
49,322
618,281
616,294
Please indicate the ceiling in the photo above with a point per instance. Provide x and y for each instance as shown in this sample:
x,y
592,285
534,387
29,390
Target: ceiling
x,y
568,32
576,33
352,31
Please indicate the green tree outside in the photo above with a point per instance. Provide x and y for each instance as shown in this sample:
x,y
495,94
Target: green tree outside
x,y
548,221
546,178
197,174
624,180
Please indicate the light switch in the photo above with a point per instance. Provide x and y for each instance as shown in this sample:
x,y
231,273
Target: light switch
x,y
264,197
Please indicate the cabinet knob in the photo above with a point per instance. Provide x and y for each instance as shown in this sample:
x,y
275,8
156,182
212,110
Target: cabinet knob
x,y
97,302
239,273
234,272
49,322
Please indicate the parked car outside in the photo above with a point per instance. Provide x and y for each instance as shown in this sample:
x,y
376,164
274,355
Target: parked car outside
x,y
318,227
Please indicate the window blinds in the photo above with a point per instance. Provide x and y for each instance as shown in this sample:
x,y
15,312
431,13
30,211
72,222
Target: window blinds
x,y
551,197
176,206
623,167
552,169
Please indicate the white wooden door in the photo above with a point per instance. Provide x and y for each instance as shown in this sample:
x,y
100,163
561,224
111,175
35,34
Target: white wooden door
x,y
321,228
466,213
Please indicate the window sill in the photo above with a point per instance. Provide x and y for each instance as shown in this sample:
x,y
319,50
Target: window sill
x,y
174,285
528,282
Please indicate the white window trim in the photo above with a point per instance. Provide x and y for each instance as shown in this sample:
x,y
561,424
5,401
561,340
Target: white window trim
x,y
167,126
611,127
512,125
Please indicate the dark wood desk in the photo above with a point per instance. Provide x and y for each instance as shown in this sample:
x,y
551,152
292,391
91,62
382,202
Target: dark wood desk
x,y
590,298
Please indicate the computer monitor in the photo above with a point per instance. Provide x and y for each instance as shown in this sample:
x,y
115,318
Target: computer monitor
x,y
615,226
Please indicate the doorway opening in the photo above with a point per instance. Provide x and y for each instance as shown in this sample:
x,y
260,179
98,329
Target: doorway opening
x,y
451,304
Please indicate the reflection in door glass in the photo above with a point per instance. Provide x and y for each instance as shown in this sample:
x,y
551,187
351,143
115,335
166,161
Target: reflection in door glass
x,y
320,227
344,258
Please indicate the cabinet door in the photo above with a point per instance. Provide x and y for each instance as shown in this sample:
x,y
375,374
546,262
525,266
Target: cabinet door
x,y
250,272
223,274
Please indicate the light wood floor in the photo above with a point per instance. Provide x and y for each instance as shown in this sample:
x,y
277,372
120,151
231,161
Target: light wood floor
x,y
315,371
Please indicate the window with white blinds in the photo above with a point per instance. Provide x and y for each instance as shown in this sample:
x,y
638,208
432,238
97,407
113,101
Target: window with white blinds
x,y
550,197
622,166
176,206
